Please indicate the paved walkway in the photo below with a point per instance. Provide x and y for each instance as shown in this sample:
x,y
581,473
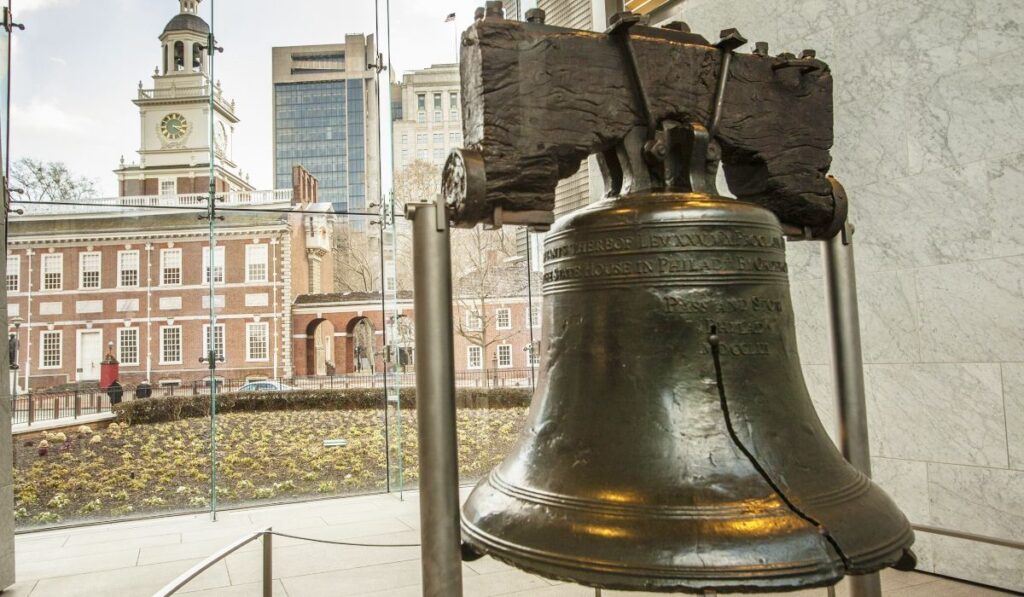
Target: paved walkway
x,y
137,558
19,428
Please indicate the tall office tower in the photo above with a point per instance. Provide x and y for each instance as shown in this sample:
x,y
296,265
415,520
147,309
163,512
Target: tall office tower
x,y
325,119
428,124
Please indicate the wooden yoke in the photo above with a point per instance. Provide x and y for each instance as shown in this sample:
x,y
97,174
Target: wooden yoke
x,y
537,100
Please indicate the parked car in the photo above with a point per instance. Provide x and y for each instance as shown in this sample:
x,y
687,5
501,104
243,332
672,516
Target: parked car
x,y
265,386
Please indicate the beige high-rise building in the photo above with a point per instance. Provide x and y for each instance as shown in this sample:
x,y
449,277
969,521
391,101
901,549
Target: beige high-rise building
x,y
428,115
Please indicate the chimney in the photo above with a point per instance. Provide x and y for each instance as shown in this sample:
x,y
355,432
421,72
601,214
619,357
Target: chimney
x,y
305,186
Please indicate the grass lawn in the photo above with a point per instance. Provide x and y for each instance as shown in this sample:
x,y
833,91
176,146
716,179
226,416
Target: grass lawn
x,y
139,469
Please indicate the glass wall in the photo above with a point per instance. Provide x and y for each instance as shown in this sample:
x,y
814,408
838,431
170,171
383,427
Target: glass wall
x,y
198,333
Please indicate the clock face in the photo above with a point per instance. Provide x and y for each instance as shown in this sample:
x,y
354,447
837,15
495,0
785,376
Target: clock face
x,y
174,127
222,136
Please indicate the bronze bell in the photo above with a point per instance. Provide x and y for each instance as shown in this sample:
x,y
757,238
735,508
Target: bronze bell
x,y
671,444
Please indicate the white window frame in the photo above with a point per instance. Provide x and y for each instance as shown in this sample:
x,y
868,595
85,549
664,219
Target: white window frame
x,y
534,315
82,269
264,327
502,363
42,348
438,138
256,255
47,261
13,271
474,323
507,313
121,333
173,190
470,350
421,139
221,334
163,346
164,267
218,265
122,270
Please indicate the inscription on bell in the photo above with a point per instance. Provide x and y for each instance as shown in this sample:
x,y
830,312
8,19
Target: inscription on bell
x,y
668,240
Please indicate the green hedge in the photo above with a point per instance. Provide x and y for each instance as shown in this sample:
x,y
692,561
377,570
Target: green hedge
x,y
158,410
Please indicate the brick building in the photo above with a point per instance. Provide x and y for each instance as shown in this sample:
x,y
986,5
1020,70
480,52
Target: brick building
x,y
138,281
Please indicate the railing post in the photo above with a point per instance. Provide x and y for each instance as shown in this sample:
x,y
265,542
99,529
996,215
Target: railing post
x,y
56,406
78,404
440,549
31,408
268,563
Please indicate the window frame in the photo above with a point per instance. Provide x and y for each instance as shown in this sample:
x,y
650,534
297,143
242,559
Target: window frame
x,y
265,327
121,270
469,357
164,268
507,348
497,318
82,270
16,269
250,251
209,264
222,336
57,258
470,316
163,345
121,344
59,334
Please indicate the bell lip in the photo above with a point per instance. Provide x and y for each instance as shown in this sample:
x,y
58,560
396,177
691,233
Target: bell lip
x,y
630,578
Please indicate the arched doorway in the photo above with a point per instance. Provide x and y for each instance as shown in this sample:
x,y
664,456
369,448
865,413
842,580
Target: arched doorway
x,y
320,347
406,339
363,346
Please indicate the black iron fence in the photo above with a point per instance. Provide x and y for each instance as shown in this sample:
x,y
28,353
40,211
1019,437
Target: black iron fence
x,y
71,404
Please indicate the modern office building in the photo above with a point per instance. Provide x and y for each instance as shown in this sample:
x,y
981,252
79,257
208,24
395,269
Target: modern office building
x,y
325,119
429,123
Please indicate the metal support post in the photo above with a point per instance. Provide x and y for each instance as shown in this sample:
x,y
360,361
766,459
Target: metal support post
x,y
848,370
440,550
268,563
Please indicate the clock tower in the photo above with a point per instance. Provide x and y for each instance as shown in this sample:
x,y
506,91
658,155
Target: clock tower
x,y
174,157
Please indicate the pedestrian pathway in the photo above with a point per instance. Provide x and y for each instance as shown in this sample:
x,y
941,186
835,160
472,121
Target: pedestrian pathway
x,y
137,558
21,428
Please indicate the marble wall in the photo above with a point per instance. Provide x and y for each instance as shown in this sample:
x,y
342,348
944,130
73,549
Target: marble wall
x,y
930,145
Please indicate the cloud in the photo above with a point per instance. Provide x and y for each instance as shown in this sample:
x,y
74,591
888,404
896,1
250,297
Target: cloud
x,y
24,6
40,116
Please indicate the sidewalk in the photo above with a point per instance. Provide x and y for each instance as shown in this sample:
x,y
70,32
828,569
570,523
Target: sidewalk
x,y
137,558
20,428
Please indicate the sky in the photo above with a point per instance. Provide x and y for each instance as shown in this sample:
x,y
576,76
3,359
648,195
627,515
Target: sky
x,y
77,65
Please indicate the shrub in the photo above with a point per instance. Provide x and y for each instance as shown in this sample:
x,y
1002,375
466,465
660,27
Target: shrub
x,y
159,410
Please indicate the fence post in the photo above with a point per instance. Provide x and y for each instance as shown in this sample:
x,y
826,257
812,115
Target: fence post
x,y
31,408
56,407
268,563
78,404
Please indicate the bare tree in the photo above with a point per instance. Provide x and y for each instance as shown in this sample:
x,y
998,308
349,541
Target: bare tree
x,y
483,270
356,261
357,253
49,181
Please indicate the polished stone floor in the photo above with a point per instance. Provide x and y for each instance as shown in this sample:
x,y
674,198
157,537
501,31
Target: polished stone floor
x,y
137,558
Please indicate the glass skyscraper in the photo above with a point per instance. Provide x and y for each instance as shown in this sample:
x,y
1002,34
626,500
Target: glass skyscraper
x,y
323,107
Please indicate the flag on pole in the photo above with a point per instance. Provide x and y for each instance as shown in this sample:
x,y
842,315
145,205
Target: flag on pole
x,y
450,18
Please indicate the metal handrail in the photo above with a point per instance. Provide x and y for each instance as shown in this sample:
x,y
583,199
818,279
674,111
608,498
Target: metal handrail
x,y
968,536
268,565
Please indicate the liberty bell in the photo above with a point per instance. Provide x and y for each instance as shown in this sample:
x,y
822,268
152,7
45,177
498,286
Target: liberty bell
x,y
671,444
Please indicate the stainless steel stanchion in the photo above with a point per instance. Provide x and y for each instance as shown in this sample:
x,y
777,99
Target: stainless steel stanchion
x,y
848,370
441,558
